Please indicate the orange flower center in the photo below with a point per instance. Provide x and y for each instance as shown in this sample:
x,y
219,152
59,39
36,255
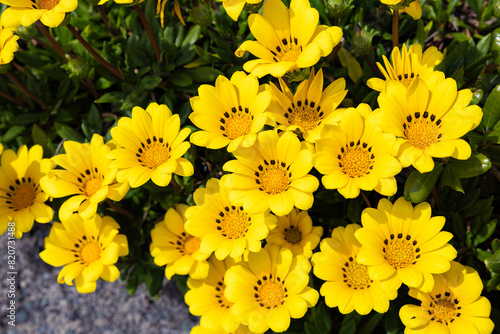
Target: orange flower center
x,y
234,222
356,160
46,4
237,123
356,275
407,79
291,55
304,114
273,177
400,252
91,252
443,308
271,294
154,155
92,186
293,235
24,196
421,130
191,245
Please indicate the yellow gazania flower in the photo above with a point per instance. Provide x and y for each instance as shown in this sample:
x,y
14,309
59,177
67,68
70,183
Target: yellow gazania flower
x,y
272,174
356,155
88,250
233,8
22,201
224,228
172,246
27,12
287,39
231,113
310,108
453,306
270,288
86,175
348,285
407,65
296,232
403,244
428,118
8,45
242,329
206,298
152,147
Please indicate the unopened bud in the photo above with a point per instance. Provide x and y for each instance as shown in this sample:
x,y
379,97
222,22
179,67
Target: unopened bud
x,y
77,68
27,33
337,8
361,40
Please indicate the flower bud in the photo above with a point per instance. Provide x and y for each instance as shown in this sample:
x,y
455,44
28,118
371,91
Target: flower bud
x,y
361,40
27,33
337,8
77,67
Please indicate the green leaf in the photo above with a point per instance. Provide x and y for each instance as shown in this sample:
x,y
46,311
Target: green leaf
x,y
354,211
495,45
495,244
13,132
493,282
150,82
350,323
180,78
418,186
112,97
476,165
39,136
372,323
491,110
192,36
67,132
450,178
485,232
310,329
493,262
204,74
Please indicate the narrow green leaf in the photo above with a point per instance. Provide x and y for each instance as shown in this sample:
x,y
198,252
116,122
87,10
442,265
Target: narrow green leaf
x,y
67,132
495,45
310,329
192,36
491,110
485,232
13,132
419,186
476,165
112,97
493,262
39,136
150,82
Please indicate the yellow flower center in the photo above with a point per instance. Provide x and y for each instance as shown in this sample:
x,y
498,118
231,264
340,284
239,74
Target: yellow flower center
x,y
400,252
356,160
443,308
293,235
291,55
237,123
92,186
271,294
154,155
91,252
191,245
421,130
46,4
273,177
304,114
24,196
234,222
356,275
406,79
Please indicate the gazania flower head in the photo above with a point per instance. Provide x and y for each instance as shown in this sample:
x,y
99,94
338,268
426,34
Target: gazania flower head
x,y
242,329
287,39
348,284
86,175
8,45
407,65
428,119
206,298
404,244
296,232
231,113
270,289
310,108
88,250
355,155
272,174
26,12
172,246
151,147
22,201
453,306
225,228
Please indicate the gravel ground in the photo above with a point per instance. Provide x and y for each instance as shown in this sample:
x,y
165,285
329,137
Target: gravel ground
x,y
45,306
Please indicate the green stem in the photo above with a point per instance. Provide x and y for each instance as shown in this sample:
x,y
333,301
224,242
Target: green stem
x,y
25,90
51,40
477,62
395,27
149,32
10,98
94,53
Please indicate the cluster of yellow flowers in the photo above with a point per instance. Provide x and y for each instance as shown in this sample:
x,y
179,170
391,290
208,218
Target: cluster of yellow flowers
x,y
236,285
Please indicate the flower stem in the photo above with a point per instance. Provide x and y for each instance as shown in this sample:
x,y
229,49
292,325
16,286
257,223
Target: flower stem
x,y
395,26
51,39
93,52
26,90
149,32
9,97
